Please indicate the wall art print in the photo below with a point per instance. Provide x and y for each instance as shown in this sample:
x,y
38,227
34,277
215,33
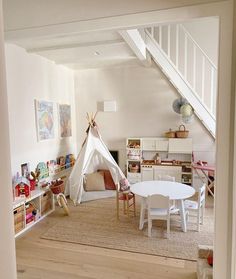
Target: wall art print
x,y
45,120
65,120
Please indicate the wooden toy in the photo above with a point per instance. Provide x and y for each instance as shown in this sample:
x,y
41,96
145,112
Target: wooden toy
x,y
22,187
42,168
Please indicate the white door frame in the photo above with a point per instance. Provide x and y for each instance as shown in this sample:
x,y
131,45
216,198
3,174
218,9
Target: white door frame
x,y
7,239
225,129
233,148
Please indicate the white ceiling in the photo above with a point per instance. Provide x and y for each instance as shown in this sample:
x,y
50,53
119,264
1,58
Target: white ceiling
x,y
78,33
82,51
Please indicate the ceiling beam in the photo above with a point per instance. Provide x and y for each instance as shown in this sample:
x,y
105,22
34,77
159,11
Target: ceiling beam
x,y
136,43
75,45
105,64
122,22
96,59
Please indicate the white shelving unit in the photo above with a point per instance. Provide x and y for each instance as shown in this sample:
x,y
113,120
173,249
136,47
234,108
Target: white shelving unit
x,y
177,149
133,159
43,203
42,199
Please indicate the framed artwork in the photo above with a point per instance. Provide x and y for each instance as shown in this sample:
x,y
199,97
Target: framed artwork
x,y
45,120
25,170
65,120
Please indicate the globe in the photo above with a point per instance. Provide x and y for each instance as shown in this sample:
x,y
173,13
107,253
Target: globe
x,y
186,110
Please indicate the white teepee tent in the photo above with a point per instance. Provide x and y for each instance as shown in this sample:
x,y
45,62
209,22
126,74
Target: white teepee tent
x,y
94,155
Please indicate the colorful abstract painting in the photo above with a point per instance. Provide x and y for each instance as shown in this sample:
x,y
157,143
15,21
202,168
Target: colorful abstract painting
x,y
65,120
45,120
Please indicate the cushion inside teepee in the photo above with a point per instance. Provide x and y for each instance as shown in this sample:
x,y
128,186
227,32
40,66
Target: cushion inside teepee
x,y
94,182
109,183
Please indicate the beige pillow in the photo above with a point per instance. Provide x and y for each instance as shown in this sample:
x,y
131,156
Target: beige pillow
x,y
94,182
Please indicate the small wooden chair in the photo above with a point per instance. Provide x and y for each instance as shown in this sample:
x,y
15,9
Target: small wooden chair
x,y
128,199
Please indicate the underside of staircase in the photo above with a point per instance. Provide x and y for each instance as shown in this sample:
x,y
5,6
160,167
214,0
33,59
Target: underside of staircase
x,y
183,62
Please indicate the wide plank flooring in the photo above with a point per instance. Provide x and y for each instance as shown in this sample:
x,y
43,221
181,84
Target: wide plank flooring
x,y
44,259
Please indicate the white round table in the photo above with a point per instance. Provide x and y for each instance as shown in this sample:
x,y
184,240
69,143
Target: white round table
x,y
174,190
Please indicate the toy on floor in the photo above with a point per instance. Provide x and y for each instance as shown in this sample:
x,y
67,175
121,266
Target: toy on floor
x,y
57,187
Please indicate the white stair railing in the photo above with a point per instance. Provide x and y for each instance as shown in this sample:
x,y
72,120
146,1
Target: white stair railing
x,y
189,60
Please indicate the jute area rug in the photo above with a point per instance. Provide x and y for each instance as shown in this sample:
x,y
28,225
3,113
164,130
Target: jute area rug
x,y
94,223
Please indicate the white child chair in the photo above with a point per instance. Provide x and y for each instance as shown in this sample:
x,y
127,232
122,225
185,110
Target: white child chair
x,y
165,177
144,205
197,206
158,209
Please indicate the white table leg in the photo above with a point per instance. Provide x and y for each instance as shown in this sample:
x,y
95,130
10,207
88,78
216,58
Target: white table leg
x,y
142,213
182,214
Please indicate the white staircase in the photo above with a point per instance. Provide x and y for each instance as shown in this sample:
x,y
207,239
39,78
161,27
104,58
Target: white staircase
x,y
188,68
185,64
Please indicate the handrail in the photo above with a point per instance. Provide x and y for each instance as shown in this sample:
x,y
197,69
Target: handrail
x,y
198,46
187,66
207,66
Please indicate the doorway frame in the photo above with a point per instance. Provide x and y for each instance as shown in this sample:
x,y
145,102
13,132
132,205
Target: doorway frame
x,y
225,138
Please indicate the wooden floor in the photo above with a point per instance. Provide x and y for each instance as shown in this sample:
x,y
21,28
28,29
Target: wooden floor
x,y
45,259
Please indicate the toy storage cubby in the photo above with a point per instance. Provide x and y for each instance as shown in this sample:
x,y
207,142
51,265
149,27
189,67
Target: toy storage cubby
x,y
28,211
19,217
40,203
32,211
187,173
133,159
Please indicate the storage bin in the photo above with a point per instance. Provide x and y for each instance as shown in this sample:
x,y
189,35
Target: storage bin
x,y
19,227
170,134
134,168
46,196
19,221
182,133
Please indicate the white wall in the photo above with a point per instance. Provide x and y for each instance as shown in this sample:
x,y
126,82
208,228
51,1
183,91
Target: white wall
x,y
31,77
144,99
205,32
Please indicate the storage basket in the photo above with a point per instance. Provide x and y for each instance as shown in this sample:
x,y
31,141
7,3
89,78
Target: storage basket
x,y
58,187
19,218
170,134
182,133
134,168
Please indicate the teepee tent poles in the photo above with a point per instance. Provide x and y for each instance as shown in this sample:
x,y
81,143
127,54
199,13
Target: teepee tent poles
x,y
93,155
